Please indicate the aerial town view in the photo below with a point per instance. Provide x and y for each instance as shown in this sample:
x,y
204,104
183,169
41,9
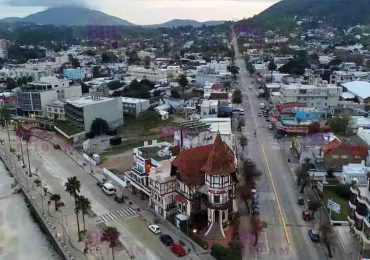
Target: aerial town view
x,y
198,129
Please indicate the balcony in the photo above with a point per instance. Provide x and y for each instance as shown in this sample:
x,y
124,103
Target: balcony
x,y
218,206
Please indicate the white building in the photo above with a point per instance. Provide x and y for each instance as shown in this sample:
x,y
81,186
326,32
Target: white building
x,y
134,106
353,171
55,110
361,89
36,71
213,72
208,108
86,109
3,49
324,96
154,75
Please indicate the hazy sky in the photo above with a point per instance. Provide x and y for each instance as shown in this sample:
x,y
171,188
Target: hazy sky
x,y
148,11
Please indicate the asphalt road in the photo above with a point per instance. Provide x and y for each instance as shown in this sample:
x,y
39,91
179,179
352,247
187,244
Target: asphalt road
x,y
286,236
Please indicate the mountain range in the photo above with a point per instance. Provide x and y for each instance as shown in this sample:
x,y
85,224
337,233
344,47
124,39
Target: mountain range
x,y
335,12
80,16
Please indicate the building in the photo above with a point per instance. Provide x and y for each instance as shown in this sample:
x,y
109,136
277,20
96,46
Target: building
x,y
139,73
360,89
359,213
209,108
354,172
206,180
36,71
74,73
55,110
85,110
191,134
134,106
322,96
344,150
32,102
3,49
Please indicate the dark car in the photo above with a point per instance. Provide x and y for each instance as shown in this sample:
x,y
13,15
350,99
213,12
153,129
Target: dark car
x,y
314,235
278,136
56,146
166,239
178,249
100,183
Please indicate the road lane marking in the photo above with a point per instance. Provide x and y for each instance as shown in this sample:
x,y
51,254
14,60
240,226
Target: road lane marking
x,y
276,197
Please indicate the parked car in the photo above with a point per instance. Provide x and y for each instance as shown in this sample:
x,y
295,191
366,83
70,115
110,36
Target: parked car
x,y
260,114
155,229
100,183
314,235
56,146
119,199
166,239
108,188
178,250
306,215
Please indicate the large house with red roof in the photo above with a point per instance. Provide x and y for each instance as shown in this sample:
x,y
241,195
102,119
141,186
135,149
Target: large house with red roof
x,y
344,150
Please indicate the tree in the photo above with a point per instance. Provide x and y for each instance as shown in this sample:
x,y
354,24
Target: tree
x,y
72,187
272,67
326,229
85,207
56,199
250,174
10,83
338,125
302,172
111,235
74,62
234,70
175,93
251,69
115,84
335,62
5,114
256,226
237,97
108,57
314,127
243,141
146,61
313,205
99,126
96,72
183,82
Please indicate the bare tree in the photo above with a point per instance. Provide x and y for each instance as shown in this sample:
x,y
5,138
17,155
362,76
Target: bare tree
x,y
313,205
326,229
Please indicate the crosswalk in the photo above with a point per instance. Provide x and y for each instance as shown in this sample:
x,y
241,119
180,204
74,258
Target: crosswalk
x,y
110,216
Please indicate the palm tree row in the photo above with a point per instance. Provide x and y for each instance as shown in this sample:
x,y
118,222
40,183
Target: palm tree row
x,y
82,204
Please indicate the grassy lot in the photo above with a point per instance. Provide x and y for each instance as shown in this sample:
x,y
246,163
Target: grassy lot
x,y
136,131
330,194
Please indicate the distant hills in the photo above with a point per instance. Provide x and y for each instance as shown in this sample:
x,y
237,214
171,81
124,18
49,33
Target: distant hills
x,y
335,12
76,15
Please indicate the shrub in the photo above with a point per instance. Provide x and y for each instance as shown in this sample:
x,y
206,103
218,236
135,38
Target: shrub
x,y
343,191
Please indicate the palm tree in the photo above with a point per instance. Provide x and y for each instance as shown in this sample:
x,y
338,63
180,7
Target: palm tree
x,y
73,186
85,207
111,235
55,198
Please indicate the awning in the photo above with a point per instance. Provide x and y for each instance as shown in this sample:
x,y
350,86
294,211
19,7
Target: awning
x,y
180,198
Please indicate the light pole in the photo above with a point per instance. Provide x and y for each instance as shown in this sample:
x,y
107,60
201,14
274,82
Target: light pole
x,y
20,141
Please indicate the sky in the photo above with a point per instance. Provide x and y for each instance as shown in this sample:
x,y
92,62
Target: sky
x,y
147,11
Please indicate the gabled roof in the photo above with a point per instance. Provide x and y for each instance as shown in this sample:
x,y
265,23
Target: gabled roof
x,y
356,149
213,159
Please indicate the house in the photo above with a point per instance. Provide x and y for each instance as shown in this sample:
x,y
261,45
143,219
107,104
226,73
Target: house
x,y
209,108
55,110
134,106
353,171
359,212
361,89
32,102
206,180
344,150
74,73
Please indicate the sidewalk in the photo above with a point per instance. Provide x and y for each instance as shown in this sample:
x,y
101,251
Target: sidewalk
x,y
63,221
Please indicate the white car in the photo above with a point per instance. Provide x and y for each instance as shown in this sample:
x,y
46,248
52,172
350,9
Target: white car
x,y
155,229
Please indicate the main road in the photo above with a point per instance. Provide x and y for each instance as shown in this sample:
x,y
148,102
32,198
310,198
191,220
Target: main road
x,y
286,235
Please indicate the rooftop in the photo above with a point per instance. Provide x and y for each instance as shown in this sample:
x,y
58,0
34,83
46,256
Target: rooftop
x,y
193,126
87,100
359,88
158,152
133,100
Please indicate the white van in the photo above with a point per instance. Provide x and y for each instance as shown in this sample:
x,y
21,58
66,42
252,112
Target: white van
x,y
108,188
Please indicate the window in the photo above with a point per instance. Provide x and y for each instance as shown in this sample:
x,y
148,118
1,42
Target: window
x,y
335,156
216,199
344,156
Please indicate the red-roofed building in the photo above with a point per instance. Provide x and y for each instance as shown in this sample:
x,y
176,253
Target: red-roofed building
x,y
344,150
206,178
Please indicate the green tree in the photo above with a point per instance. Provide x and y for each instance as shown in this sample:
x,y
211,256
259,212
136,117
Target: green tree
x,y
99,126
74,61
251,69
108,57
183,82
115,84
72,187
234,70
5,114
338,125
10,83
56,199
111,235
175,93
237,97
